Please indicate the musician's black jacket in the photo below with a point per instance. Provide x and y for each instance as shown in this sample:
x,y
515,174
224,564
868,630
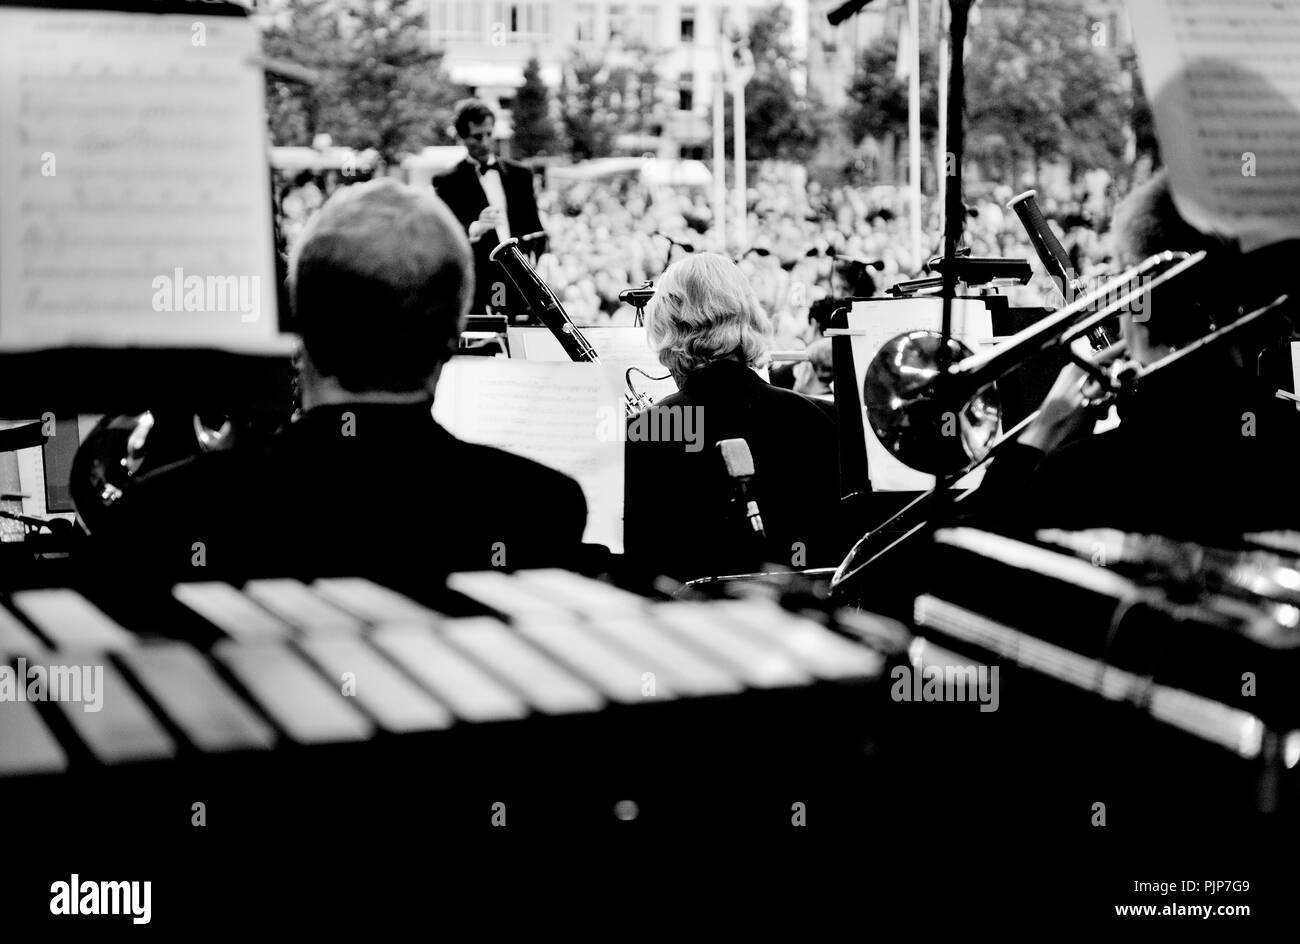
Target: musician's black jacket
x,y
678,518
1204,461
460,189
363,489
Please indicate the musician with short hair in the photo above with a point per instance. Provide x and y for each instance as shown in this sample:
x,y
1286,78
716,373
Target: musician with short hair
x,y
707,327
1200,454
365,481
493,199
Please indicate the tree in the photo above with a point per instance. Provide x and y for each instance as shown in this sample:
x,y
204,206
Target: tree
x,y
381,83
1038,89
534,128
780,123
584,95
878,100
305,33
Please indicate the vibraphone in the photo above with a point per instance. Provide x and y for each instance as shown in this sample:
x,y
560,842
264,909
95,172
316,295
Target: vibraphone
x,y
341,701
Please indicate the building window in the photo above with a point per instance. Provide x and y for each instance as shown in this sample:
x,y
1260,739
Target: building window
x,y
507,103
686,92
585,17
617,22
688,24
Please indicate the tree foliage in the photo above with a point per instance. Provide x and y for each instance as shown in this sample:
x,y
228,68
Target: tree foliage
x,y
1037,90
381,83
533,125
878,99
780,123
589,123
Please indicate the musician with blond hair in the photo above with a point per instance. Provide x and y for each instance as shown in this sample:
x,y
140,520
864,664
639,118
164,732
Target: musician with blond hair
x,y
708,329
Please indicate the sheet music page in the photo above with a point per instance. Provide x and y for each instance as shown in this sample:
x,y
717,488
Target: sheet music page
x,y
619,347
880,321
31,473
133,157
1223,77
565,415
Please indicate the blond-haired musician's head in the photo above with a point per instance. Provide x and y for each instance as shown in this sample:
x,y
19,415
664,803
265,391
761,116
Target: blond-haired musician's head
x,y
705,310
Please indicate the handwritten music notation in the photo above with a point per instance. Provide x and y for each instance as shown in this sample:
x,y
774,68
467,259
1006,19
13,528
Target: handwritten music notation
x,y
1224,80
128,152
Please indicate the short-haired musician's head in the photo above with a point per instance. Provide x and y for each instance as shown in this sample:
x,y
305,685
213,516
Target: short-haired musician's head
x,y
380,283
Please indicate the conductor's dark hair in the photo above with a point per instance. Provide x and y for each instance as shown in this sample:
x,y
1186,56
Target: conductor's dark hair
x,y
472,111
380,283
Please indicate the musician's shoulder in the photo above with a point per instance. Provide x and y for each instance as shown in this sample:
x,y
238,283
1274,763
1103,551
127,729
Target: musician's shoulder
x,y
489,466
445,176
800,403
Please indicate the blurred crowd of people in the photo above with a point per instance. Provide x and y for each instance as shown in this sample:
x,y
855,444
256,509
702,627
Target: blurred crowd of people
x,y
611,234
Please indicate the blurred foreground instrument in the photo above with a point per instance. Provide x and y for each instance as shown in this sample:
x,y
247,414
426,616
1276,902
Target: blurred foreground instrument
x,y
345,698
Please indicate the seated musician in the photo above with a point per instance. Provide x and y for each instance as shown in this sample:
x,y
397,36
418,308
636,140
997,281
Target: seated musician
x,y
708,330
365,481
1202,452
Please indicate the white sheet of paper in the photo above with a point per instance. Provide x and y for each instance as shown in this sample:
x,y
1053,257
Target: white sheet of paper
x,y
129,153
1226,97
31,473
618,347
881,320
566,415
1295,369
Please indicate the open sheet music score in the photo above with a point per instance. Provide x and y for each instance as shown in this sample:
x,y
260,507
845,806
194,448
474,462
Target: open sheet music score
x,y
133,157
874,323
618,348
1223,77
566,415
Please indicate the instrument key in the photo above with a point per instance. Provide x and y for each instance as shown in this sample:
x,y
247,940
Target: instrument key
x,y
230,611
760,663
200,704
550,689
294,602
70,621
397,703
452,678
294,695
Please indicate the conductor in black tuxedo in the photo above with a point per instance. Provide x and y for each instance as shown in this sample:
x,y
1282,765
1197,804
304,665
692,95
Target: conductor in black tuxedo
x,y
493,199
365,481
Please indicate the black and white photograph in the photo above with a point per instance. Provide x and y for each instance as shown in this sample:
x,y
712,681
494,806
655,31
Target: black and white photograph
x,y
651,440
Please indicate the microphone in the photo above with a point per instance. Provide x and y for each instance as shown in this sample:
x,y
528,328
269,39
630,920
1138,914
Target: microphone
x,y
845,262
739,462
638,297
1048,248
685,247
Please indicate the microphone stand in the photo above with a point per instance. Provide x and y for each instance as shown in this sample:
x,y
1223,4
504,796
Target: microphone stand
x,y
954,216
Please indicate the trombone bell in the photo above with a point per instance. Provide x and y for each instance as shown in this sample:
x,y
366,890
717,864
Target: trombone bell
x,y
916,427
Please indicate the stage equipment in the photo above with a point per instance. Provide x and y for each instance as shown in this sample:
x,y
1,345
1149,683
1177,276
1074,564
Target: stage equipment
x,y
546,306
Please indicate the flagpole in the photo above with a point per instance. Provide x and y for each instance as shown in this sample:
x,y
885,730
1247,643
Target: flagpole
x,y
941,143
719,146
914,127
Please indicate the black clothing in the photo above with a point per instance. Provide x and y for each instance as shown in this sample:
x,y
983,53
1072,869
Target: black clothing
x,y
1204,462
361,489
461,190
677,520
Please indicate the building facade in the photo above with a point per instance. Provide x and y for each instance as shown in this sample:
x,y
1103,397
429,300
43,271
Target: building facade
x,y
488,42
